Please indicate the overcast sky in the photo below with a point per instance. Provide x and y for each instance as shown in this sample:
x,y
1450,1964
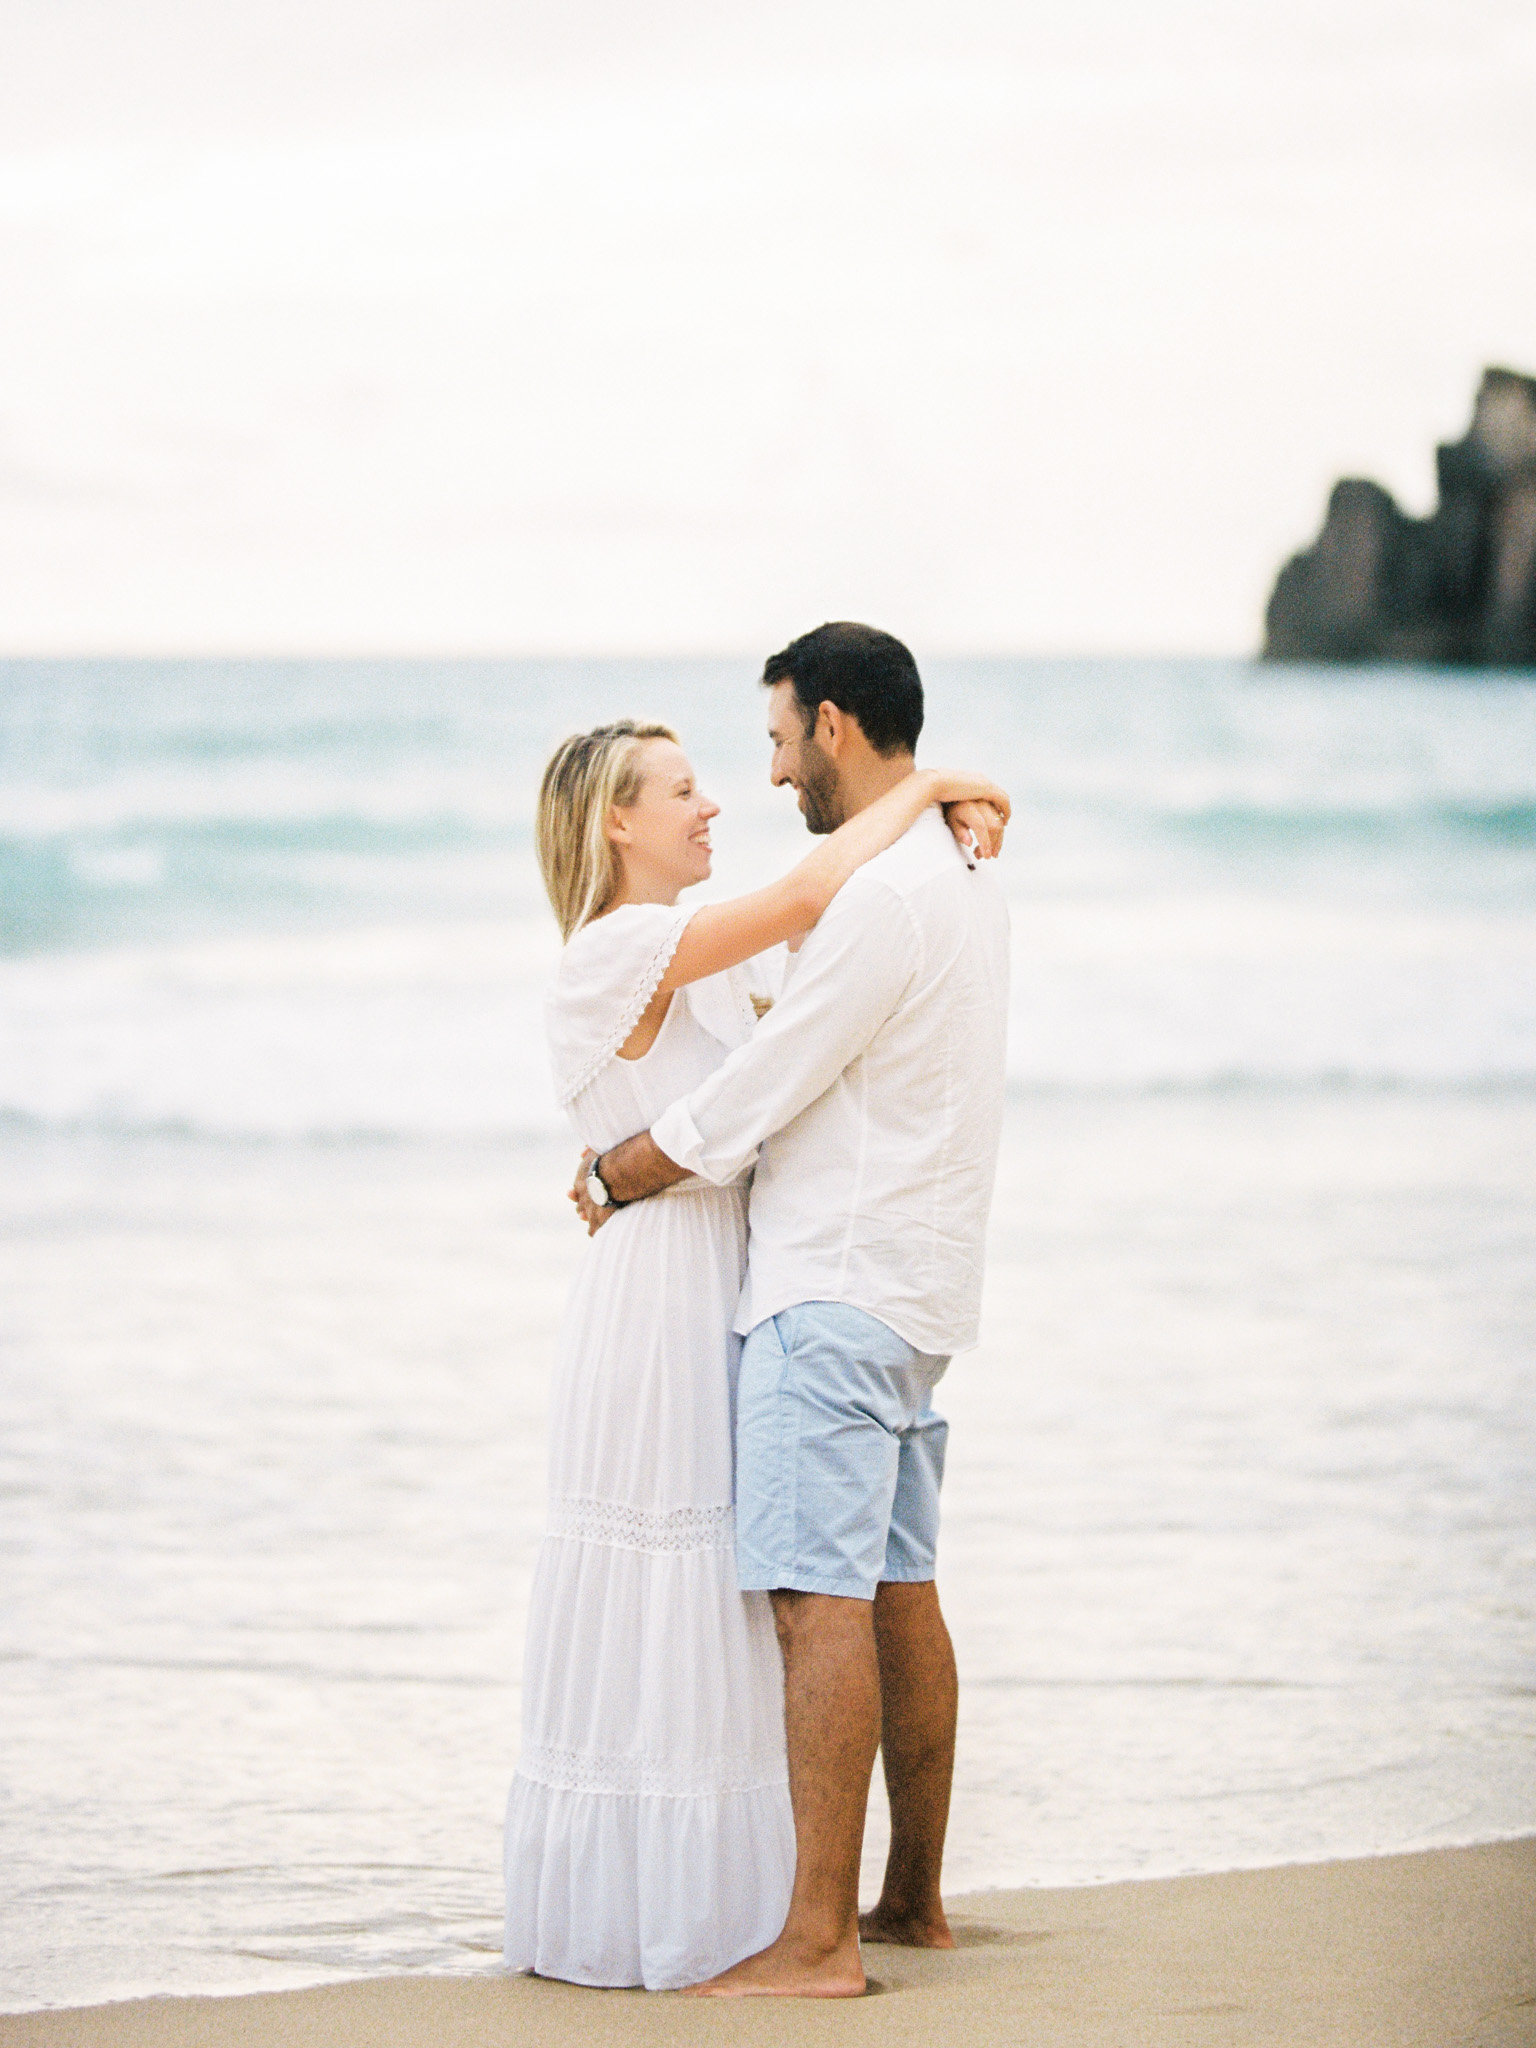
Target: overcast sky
x,y
331,326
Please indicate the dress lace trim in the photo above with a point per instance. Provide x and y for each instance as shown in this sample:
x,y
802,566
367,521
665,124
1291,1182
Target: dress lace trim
x,y
611,1523
634,1009
577,1770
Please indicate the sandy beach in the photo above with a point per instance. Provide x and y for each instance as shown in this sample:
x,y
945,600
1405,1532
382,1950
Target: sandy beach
x,y
1436,1950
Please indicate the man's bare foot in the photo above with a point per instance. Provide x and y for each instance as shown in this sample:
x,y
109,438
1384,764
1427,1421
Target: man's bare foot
x,y
789,1969
906,1930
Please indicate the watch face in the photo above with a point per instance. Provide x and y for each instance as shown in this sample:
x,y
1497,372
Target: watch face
x,y
596,1192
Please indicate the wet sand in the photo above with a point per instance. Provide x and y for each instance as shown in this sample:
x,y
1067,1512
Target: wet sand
x,y
1435,1950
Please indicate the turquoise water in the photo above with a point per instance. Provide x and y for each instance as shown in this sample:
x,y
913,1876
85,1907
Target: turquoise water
x,y
259,898
1239,1527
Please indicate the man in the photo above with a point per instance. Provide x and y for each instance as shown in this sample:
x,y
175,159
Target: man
x,y
871,1095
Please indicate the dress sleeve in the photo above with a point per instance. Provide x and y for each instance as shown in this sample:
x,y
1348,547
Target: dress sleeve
x,y
607,974
765,974
728,1005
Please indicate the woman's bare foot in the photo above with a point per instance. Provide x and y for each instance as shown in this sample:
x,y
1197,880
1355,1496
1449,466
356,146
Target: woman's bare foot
x,y
789,1969
906,1930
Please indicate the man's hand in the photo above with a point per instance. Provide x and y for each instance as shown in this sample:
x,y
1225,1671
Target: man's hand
x,y
593,1217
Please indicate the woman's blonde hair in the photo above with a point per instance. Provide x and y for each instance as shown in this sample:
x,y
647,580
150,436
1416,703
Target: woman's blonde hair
x,y
588,774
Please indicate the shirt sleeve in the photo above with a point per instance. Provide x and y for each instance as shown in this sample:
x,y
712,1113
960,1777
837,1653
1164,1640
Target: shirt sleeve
x,y
851,975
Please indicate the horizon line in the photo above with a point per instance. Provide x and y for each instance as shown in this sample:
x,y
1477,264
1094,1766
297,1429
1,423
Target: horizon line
x,y
537,654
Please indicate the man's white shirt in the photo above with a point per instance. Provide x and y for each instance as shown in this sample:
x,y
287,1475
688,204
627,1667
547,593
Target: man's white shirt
x,y
871,1095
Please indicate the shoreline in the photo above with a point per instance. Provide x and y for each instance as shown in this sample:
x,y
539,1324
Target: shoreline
x,y
1419,1950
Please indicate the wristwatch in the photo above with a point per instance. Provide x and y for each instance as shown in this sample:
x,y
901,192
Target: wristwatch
x,y
597,1189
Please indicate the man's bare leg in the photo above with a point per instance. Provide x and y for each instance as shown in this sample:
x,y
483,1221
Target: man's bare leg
x,y
832,1727
919,1694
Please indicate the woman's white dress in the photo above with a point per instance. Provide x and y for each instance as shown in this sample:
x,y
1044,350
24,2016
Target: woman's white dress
x,y
648,1834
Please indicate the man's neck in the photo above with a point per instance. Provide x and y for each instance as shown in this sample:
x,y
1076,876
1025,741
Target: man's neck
x,y
862,783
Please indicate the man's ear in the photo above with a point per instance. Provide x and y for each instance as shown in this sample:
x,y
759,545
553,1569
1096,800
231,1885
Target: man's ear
x,y
830,729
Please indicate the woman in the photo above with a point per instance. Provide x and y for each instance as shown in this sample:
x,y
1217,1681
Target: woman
x,y
648,1836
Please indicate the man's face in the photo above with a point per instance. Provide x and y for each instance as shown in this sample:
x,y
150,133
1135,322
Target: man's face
x,y
800,762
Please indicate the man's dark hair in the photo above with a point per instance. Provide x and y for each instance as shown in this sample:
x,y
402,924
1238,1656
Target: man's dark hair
x,y
865,672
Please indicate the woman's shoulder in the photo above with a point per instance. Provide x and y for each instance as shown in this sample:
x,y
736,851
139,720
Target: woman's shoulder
x,y
607,952
625,923
607,975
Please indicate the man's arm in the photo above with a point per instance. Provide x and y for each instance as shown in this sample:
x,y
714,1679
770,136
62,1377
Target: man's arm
x,y
630,1170
853,971
638,1167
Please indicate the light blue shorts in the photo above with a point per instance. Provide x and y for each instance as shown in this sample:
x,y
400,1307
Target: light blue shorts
x,y
839,1454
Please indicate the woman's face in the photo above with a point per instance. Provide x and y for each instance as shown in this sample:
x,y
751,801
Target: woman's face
x,y
663,836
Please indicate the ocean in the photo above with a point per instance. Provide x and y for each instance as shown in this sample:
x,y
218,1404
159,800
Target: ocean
x,y
1241,1509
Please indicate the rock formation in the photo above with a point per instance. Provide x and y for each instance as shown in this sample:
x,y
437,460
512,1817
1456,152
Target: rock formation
x,y
1457,587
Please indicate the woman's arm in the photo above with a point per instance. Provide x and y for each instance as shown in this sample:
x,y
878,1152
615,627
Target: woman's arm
x,y
723,934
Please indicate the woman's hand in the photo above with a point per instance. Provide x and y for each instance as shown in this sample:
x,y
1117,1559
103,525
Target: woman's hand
x,y
977,826
976,810
950,786
593,1217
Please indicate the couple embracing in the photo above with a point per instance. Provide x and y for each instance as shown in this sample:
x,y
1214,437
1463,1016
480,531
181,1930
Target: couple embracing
x,y
734,1605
